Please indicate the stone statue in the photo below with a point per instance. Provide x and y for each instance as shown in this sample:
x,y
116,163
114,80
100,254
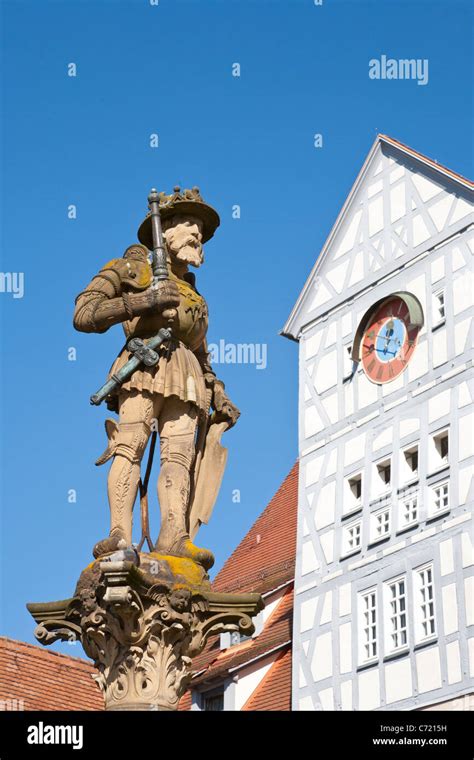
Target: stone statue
x,y
174,395
142,617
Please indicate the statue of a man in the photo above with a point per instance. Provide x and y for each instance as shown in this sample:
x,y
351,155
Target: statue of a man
x,y
177,391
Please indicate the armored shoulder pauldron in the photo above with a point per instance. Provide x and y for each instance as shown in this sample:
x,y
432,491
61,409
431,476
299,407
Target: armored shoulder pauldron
x,y
134,269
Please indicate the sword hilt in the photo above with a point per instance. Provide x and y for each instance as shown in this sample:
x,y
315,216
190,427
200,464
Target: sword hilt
x,y
143,353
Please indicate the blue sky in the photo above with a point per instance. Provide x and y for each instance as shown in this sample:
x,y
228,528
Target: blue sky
x,y
85,140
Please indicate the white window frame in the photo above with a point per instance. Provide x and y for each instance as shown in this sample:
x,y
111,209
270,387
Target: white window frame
x,y
439,309
393,611
424,603
374,536
351,503
445,486
435,460
368,627
409,498
444,435
210,695
381,486
234,638
198,697
406,472
346,529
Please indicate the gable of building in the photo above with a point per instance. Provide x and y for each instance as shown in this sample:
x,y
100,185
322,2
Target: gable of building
x,y
386,464
401,204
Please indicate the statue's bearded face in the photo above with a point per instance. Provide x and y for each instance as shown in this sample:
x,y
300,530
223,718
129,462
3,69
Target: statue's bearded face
x,y
183,236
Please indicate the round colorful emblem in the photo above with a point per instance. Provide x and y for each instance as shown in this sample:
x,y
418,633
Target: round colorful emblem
x,y
388,341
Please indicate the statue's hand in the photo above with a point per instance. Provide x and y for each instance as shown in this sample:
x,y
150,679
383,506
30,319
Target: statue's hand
x,y
162,296
223,406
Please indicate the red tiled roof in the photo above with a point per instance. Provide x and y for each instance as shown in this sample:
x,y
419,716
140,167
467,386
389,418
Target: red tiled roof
x,y
276,632
263,561
274,691
185,701
45,680
266,556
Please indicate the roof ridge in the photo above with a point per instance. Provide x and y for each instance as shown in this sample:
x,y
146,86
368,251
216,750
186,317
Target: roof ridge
x,y
288,328
423,157
264,574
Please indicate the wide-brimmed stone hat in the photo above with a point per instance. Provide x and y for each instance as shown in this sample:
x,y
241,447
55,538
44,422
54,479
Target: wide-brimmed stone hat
x,y
181,202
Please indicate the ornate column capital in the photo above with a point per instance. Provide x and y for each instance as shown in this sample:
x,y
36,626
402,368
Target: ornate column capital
x,y
142,618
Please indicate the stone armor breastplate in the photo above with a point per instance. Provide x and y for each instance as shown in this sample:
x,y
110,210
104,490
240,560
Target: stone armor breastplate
x,y
189,326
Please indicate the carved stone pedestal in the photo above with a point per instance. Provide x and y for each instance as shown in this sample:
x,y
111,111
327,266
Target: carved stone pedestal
x,y
142,618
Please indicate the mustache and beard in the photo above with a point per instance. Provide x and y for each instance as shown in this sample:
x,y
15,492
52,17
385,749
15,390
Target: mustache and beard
x,y
188,251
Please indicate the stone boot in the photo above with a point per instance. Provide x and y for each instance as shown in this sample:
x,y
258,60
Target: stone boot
x,y
184,547
106,546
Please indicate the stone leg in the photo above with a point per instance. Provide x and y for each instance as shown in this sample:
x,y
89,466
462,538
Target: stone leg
x,y
136,414
177,422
